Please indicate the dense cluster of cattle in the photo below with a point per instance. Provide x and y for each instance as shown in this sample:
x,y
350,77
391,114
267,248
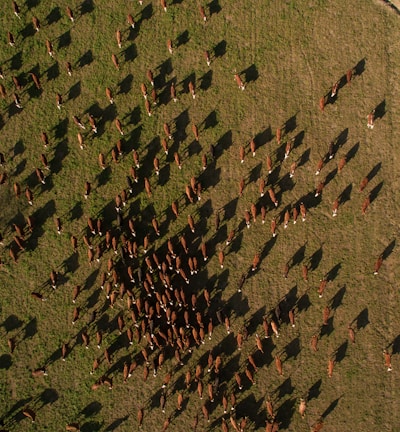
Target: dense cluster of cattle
x,y
149,288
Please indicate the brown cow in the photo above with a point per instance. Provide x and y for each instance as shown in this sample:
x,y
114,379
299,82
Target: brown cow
x,y
249,375
371,119
334,89
288,148
335,207
119,38
40,176
69,68
256,262
36,80
269,164
118,126
77,121
131,21
207,57
15,9
322,103
102,161
314,343
36,23
259,344
75,315
147,186
278,364
70,14
241,186
388,360
365,205
178,160
29,195
192,89
3,92
319,189
331,364
325,315
292,169
363,184
27,412
195,131
17,83
114,59
239,81
147,107
272,196
150,77
319,166
303,211
203,13
378,264
164,5
322,287
352,335
349,75
169,46
109,95
173,92
164,145
49,47
73,427
273,227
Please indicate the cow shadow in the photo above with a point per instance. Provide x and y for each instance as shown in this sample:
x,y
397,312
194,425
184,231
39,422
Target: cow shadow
x,y
30,329
48,397
292,349
250,74
60,152
330,408
92,409
20,167
304,158
263,137
315,390
219,49
285,412
337,299
53,16
352,152
61,129
5,361
291,124
214,7
181,123
53,72
333,272
74,91
316,258
374,171
16,61
298,256
375,191
286,388
380,110
32,3
340,352
210,121
86,7
71,264
359,68
104,176
28,31
12,322
206,80
125,85
85,60
182,39
64,40
250,405
327,329
223,144
362,319
389,249
116,424
130,53
77,211
345,194
92,426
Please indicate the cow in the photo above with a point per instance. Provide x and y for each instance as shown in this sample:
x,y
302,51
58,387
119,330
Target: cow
x,y
388,360
119,38
17,84
292,170
242,153
115,61
341,164
207,58
250,377
150,77
40,176
11,39
349,76
288,148
317,426
304,272
147,187
352,335
169,46
178,160
27,412
36,80
92,123
269,407
39,372
331,150
241,186
135,156
378,264
247,218
325,314
302,407
75,315
164,5
322,287
70,14
253,210
36,23
364,183
16,9
365,205
73,427
191,223
269,164
192,90
17,101
155,224
319,189
17,189
272,196
29,195
331,364
78,123
173,92
335,207
334,89
147,107
203,247
3,92
371,119
256,262
259,344
102,161
49,47
273,227
239,81
118,126
322,103
278,364
109,95
303,211
131,21
274,328
319,166
195,131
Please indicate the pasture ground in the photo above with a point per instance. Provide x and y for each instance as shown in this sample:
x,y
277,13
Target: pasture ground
x,y
289,53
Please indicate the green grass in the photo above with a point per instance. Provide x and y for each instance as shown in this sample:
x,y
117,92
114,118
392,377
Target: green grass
x,y
293,52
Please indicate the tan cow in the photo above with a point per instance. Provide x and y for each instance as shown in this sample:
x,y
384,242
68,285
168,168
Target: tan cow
x,y
115,61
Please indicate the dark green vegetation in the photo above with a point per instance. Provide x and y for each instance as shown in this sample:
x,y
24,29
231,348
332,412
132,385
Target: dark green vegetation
x,y
289,53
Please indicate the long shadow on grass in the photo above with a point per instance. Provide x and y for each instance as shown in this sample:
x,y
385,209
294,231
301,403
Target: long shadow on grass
x,y
362,319
5,361
61,151
250,74
85,60
182,39
316,258
340,352
53,16
286,388
374,171
206,80
130,53
86,7
52,72
28,31
64,40
125,85
380,110
389,249
16,61
330,408
92,426
375,191
285,412
92,409
12,322
30,329
74,91
61,129
345,195
315,390
48,396
333,272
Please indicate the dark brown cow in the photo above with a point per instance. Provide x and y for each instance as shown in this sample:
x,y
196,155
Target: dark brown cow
x,y
109,95
207,57
269,164
69,68
388,360
363,184
16,9
27,412
36,80
59,101
335,207
178,160
11,39
272,196
70,14
29,195
118,126
114,59
49,47
164,5
203,13
77,121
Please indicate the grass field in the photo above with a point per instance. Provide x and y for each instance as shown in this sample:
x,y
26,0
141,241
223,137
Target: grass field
x,y
289,54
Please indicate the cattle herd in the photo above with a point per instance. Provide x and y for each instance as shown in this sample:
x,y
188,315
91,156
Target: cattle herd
x,y
169,323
